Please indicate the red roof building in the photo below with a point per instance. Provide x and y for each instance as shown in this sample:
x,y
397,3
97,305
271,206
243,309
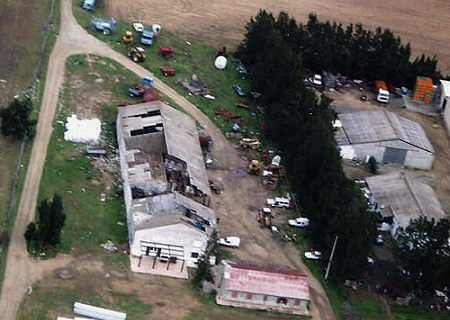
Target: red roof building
x,y
261,286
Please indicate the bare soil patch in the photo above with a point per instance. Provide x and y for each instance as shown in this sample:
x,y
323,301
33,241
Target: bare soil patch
x,y
223,21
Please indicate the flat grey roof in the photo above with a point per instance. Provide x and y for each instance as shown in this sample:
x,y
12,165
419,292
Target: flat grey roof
x,y
380,125
408,198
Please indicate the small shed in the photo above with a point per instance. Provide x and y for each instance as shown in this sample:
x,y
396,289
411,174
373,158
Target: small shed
x,y
262,286
387,137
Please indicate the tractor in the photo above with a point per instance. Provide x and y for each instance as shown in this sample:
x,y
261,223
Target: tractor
x,y
255,167
137,54
128,38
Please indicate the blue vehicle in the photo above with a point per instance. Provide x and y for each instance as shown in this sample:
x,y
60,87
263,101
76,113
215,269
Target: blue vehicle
x,y
105,26
147,37
89,5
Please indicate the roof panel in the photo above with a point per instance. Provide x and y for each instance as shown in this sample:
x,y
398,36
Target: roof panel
x,y
380,125
265,279
407,197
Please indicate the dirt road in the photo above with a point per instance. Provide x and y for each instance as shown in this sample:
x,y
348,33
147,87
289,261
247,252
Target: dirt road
x,y
22,271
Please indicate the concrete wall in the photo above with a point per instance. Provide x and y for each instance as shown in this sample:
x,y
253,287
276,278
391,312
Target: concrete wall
x,y
126,190
150,142
257,301
262,302
446,114
415,157
190,238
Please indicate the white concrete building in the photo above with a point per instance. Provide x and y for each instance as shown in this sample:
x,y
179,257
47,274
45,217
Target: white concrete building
x,y
165,186
387,137
445,103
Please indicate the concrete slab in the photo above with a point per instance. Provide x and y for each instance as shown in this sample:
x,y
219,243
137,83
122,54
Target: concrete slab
x,y
174,270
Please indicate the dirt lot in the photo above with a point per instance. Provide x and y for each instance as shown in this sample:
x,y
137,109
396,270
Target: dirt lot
x,y
432,123
418,22
236,207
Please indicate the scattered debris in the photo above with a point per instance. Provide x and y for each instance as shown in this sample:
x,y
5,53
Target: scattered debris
x,y
242,105
168,72
109,246
227,114
166,52
194,87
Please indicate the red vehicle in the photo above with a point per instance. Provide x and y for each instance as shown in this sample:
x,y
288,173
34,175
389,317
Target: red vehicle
x,y
166,51
167,72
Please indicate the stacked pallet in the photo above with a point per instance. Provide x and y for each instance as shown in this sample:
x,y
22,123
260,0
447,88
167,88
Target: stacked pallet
x,y
423,90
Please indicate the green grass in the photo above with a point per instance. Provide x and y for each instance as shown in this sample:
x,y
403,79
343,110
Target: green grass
x,y
60,298
417,313
368,309
191,57
9,150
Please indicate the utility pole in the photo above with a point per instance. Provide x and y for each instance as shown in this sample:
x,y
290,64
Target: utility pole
x,y
331,258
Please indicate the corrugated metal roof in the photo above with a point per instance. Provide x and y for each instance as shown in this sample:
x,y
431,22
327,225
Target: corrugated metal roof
x,y
180,135
182,142
380,125
259,278
407,197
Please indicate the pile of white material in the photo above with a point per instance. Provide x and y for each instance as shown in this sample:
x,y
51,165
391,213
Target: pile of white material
x,y
82,130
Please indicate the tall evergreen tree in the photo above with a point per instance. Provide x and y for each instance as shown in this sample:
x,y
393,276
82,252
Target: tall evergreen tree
x,y
51,219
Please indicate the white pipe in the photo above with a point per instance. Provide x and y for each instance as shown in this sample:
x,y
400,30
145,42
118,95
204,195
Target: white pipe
x,y
97,313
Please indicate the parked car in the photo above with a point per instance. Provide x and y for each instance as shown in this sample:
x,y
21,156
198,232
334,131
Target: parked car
x,y
232,241
313,255
147,37
88,5
317,80
299,222
379,240
279,202
239,91
105,26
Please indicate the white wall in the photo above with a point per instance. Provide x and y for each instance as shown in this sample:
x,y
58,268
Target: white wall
x,y
190,238
415,157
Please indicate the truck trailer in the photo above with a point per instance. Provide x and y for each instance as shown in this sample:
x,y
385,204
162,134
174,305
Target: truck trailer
x,y
381,91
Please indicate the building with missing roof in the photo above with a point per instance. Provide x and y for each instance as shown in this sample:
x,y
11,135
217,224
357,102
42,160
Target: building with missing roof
x,y
165,188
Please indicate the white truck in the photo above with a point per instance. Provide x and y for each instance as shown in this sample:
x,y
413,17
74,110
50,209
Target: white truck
x,y
279,202
381,91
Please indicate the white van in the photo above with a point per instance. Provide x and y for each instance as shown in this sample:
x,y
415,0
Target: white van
x,y
279,203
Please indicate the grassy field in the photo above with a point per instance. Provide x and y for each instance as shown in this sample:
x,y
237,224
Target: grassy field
x,y
90,221
417,313
191,57
18,66
60,297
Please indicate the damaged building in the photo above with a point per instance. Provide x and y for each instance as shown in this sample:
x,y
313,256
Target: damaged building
x,y
165,187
